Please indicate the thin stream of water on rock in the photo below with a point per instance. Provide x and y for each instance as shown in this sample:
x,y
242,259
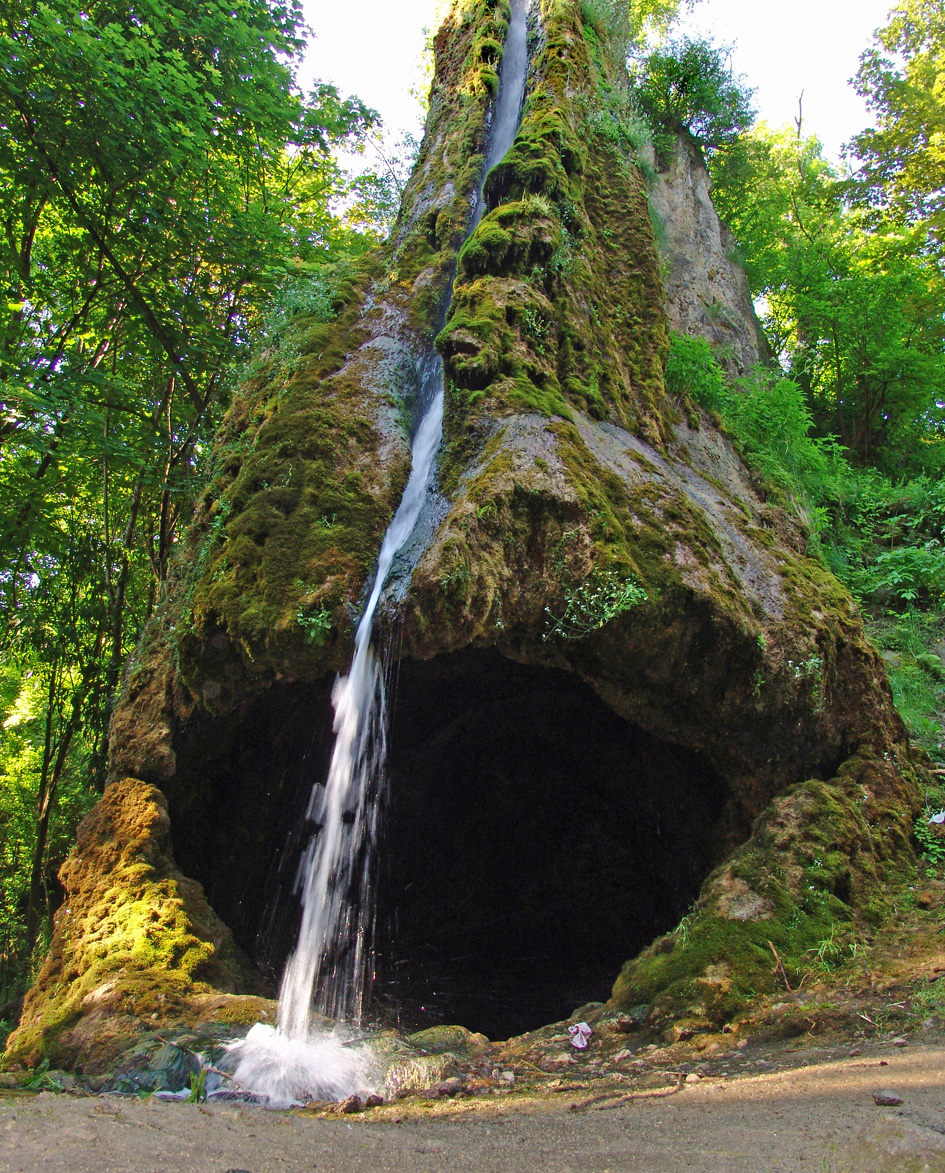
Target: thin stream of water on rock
x,y
324,977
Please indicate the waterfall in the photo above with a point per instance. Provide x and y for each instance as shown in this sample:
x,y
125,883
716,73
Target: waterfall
x,y
335,899
325,974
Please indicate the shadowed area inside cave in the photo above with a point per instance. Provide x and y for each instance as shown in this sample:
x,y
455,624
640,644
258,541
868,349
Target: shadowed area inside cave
x,y
534,839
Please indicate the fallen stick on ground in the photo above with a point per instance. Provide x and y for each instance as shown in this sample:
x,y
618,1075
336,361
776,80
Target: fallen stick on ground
x,y
600,1103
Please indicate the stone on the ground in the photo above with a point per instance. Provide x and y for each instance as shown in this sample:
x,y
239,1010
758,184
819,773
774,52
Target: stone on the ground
x,y
894,1145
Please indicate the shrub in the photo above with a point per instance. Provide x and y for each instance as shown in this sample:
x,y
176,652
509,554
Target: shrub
x,y
688,87
693,369
601,597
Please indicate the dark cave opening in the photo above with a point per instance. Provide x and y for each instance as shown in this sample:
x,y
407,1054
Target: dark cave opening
x,y
534,840
237,805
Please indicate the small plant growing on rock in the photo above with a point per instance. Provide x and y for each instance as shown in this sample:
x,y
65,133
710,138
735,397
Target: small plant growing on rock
x,y
693,369
930,837
198,1086
601,597
316,625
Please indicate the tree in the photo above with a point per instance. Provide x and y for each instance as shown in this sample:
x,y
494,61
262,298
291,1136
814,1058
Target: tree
x,y
163,181
902,78
630,23
854,314
688,87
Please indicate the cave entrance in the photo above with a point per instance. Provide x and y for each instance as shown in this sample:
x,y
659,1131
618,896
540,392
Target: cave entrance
x,y
535,841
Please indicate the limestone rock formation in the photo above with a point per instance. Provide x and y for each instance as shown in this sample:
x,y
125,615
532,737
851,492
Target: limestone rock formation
x,y
707,292
135,941
628,697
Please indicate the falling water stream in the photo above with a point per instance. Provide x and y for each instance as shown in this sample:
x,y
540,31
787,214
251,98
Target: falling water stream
x,y
324,977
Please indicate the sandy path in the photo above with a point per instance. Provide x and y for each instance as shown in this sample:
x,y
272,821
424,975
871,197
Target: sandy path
x,y
780,1122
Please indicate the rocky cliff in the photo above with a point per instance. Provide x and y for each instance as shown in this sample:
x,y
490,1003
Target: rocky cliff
x,y
625,692
707,292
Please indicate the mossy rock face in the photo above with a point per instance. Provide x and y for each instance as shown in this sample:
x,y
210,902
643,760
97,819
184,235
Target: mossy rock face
x,y
311,459
586,523
707,292
568,466
558,303
134,942
813,873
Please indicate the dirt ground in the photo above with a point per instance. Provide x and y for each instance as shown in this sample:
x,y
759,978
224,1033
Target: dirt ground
x,y
819,1116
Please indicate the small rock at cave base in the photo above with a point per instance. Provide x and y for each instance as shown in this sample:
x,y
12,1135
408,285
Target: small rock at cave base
x,y
449,1087
374,1101
887,1099
900,1042
556,1062
693,1078
508,1077
626,1053
856,1051
350,1105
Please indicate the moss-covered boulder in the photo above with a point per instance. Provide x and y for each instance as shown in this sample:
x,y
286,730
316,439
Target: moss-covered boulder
x,y
135,942
585,524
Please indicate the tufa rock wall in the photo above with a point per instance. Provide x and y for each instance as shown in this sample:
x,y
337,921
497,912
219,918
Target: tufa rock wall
x,y
707,293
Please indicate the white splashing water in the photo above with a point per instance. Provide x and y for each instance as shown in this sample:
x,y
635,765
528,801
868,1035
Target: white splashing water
x,y
337,868
285,1072
325,974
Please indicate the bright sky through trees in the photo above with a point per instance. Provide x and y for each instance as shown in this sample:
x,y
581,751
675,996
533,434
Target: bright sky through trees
x,y
372,48
809,45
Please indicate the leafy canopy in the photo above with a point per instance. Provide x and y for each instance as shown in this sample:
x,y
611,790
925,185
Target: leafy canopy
x,y
854,313
166,190
631,23
688,87
902,78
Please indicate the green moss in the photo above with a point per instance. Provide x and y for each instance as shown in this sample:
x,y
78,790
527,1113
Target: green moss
x,y
133,939
292,520
558,300
811,873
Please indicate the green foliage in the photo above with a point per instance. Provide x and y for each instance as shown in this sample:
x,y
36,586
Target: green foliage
x,y
629,22
902,77
931,844
688,87
198,1086
39,1080
601,597
316,625
36,703
906,574
854,314
915,673
692,369
167,191
769,419
832,951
